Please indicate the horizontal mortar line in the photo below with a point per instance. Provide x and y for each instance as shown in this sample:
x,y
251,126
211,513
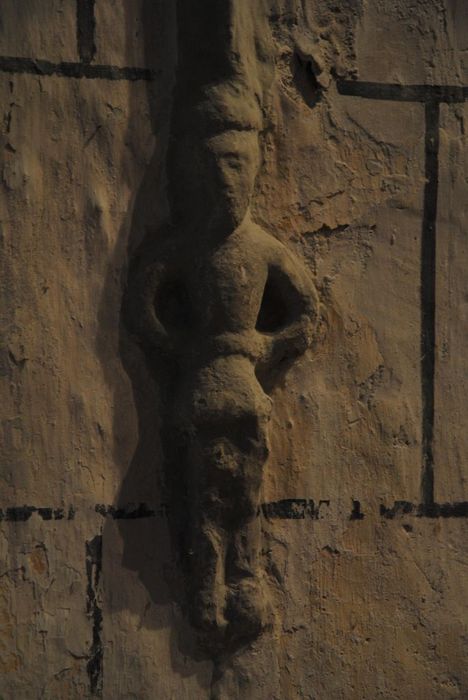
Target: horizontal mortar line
x,y
403,93
293,509
300,509
66,69
128,512
23,513
285,509
426,510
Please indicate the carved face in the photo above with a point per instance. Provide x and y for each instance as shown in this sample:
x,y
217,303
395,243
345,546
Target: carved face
x,y
231,318
220,180
235,160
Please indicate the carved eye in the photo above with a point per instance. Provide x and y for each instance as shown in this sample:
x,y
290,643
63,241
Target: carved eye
x,y
172,305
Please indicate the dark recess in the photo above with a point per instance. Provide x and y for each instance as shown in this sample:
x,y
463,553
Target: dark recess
x,y
85,30
94,666
304,73
428,298
273,313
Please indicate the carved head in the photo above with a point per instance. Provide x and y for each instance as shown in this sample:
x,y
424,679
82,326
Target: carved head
x,y
222,89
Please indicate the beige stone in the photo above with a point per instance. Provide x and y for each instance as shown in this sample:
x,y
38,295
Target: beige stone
x,y
333,186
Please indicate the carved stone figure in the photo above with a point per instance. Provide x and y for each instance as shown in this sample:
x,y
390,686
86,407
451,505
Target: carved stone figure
x,y
225,308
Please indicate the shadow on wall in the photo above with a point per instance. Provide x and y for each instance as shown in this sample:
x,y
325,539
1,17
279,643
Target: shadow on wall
x,y
145,544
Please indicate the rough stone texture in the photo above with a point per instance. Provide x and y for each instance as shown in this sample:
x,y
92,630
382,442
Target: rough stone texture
x,y
360,607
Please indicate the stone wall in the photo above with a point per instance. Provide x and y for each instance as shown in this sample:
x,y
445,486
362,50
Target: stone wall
x,y
357,510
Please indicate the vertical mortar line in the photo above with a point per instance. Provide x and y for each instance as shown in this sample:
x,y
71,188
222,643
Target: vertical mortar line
x,y
94,667
428,297
85,30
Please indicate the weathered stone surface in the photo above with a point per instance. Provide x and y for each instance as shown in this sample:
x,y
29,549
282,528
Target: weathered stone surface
x,y
102,178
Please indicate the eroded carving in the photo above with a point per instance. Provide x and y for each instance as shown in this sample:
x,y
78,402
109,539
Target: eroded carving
x,y
224,308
